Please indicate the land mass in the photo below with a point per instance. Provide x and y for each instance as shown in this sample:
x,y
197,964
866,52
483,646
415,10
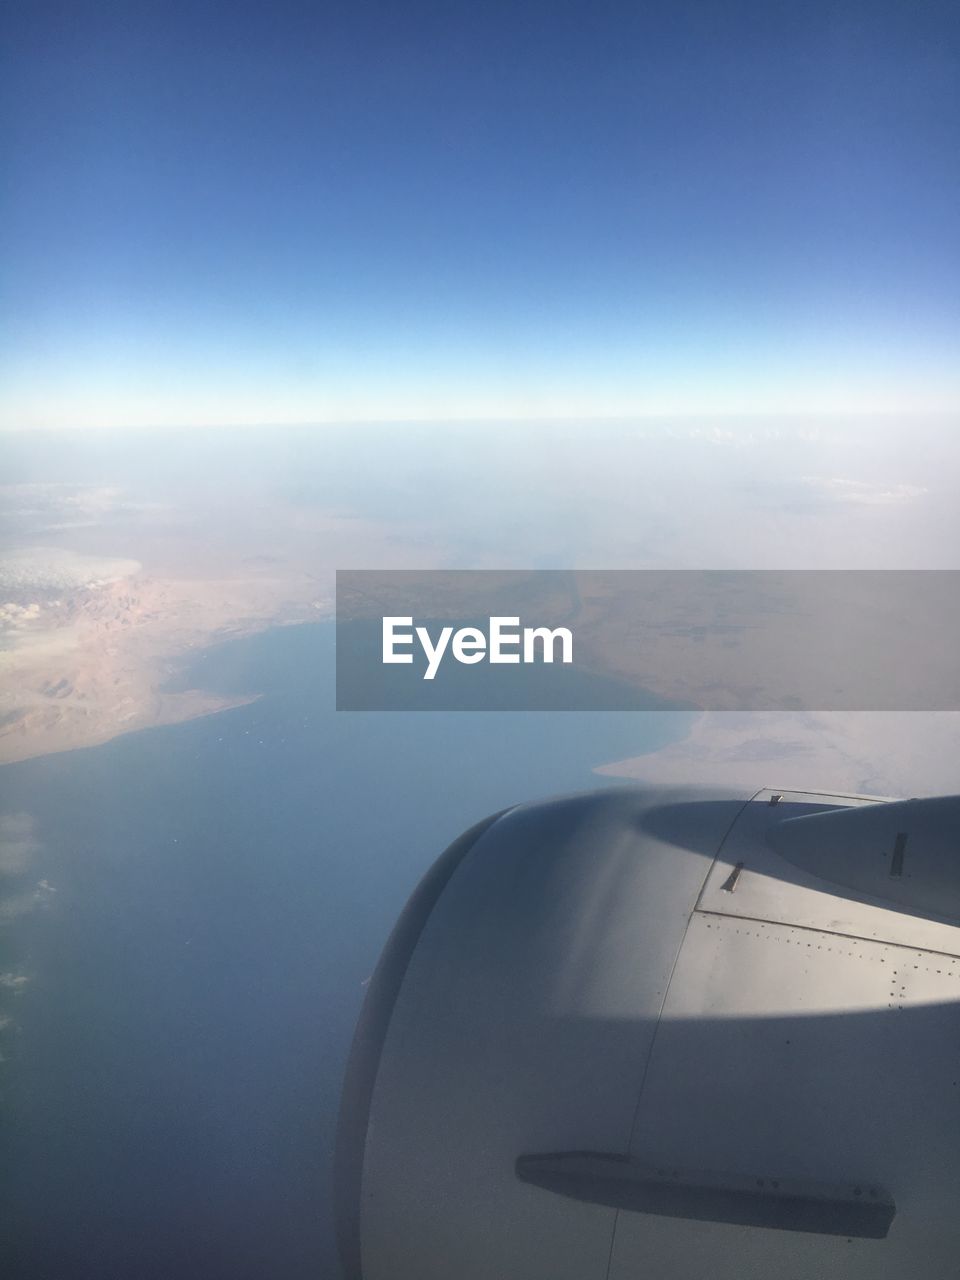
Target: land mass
x,y
878,753
83,666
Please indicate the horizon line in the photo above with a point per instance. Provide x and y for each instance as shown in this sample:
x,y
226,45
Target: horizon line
x,y
639,417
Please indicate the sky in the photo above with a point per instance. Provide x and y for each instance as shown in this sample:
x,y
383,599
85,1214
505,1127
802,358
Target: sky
x,y
283,212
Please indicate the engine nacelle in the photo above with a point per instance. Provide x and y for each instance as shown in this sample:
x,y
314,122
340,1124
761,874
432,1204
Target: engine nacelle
x,y
665,1035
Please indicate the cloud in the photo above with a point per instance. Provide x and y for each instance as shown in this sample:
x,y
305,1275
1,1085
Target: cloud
x,y
34,569
54,507
14,615
863,492
18,844
19,847
14,905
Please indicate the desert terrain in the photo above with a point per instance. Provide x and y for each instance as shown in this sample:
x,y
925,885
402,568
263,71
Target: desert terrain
x,y
106,599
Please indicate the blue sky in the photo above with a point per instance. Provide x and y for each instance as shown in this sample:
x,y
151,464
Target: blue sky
x,y
287,212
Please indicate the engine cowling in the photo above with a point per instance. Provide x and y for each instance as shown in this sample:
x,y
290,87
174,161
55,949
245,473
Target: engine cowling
x,y
663,1033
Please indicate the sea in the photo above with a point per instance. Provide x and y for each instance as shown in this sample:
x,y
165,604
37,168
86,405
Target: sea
x,y
188,917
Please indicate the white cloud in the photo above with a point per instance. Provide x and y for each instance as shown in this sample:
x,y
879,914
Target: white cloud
x,y
17,843
34,569
863,491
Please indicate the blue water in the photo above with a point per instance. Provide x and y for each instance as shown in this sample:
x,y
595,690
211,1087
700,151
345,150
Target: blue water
x,y
219,892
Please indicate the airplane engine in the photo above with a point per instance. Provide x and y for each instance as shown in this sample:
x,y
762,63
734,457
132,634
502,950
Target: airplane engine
x,y
663,1035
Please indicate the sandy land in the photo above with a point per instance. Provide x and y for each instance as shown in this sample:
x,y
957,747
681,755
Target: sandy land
x,y
864,753
100,617
82,668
